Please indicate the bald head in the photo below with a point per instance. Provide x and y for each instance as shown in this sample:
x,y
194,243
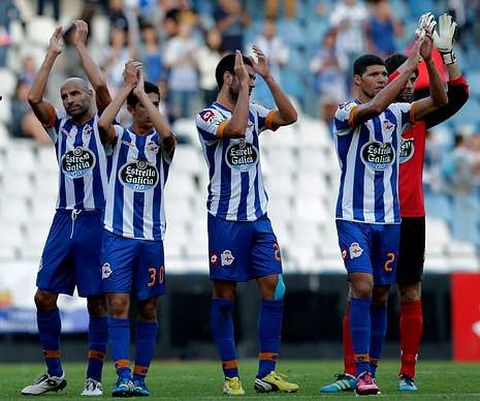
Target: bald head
x,y
76,97
77,82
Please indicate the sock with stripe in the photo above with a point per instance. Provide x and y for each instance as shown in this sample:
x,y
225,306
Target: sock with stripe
x,y
348,360
119,334
360,333
97,345
378,316
269,335
411,327
146,337
221,324
49,328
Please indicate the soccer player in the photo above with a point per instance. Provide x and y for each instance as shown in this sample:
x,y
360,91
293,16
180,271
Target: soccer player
x,y
368,138
412,210
71,256
134,222
242,245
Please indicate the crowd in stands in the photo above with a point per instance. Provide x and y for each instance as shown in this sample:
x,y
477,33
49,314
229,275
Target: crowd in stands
x,y
310,43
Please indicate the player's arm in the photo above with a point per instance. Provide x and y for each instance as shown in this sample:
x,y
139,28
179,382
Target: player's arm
x,y
94,74
237,125
42,109
285,113
458,91
105,128
438,96
161,125
387,95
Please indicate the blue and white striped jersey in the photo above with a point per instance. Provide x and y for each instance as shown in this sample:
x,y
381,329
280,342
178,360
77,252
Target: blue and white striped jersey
x,y
135,201
368,159
236,191
83,167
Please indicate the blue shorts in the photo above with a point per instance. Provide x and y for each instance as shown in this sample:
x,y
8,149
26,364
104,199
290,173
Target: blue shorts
x,y
370,248
71,256
242,250
132,266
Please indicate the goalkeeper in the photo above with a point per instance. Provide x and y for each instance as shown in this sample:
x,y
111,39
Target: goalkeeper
x,y
412,233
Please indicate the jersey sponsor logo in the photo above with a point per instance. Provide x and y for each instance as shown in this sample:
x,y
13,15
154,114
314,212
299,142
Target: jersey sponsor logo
x,y
106,271
227,257
407,149
241,155
210,117
377,155
355,250
139,175
78,162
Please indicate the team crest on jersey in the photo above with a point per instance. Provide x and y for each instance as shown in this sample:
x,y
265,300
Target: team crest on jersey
x,y
227,257
210,117
87,130
355,250
377,155
139,175
407,149
106,271
241,155
78,162
388,126
152,147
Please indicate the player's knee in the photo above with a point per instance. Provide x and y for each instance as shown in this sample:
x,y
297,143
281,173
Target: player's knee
x,y
362,289
96,306
148,310
118,305
410,293
279,292
45,300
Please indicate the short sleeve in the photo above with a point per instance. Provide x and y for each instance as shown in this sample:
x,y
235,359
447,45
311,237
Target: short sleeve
x,y
405,113
210,124
265,118
344,117
53,126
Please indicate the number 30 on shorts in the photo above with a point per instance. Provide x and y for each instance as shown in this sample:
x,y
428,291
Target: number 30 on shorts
x,y
153,276
387,266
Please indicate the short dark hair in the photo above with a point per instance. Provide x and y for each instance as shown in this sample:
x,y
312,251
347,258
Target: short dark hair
x,y
361,63
132,100
394,61
227,63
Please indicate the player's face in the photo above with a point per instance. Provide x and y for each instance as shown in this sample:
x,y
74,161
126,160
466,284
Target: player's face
x,y
76,99
139,112
372,81
407,94
234,87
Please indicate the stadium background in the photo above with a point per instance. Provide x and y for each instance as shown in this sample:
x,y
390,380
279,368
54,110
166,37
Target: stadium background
x,y
299,163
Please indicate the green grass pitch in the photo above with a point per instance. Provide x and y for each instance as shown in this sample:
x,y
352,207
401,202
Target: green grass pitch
x,y
202,380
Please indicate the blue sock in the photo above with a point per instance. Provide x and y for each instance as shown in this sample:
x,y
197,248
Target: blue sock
x,y
221,324
119,333
360,331
146,337
269,334
49,328
97,345
378,315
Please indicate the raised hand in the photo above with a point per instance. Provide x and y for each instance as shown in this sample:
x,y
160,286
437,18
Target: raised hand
x,y
240,70
445,37
55,44
414,57
80,32
427,47
261,66
130,75
140,79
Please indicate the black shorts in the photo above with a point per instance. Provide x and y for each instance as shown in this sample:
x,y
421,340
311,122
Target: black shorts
x,y
412,251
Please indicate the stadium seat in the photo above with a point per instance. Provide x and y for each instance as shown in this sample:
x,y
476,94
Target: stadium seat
x,y
5,110
40,30
9,82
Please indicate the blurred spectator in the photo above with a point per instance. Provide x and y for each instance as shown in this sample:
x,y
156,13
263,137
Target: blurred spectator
x,y
170,23
55,6
8,13
231,20
208,57
181,60
117,16
328,68
28,70
348,19
24,124
277,52
117,54
272,7
381,29
459,168
148,51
